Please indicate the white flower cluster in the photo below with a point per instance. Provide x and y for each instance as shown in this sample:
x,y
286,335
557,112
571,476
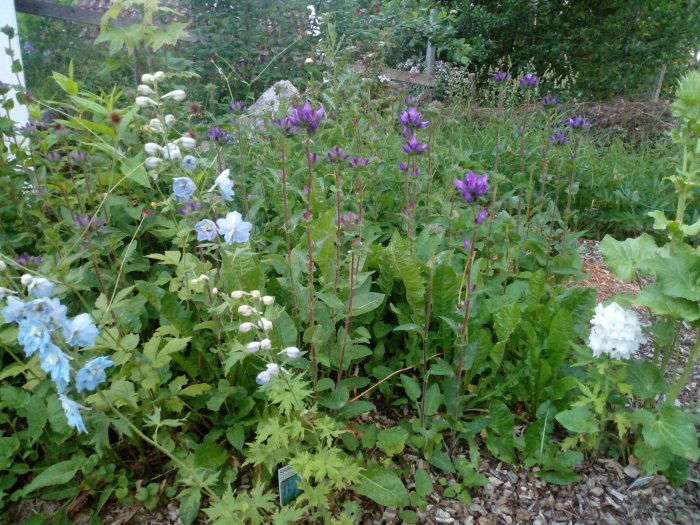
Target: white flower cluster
x,y
148,97
261,326
615,332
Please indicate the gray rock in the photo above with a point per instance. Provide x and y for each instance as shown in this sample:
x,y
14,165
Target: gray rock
x,y
269,103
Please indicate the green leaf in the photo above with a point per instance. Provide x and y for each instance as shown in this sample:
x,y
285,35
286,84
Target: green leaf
x,y
57,474
672,429
424,485
398,261
645,378
392,440
654,298
506,321
433,399
579,420
366,302
382,486
561,334
442,461
209,455
624,257
190,500
411,387
678,275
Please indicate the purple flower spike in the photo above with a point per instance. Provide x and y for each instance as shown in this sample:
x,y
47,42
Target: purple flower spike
x,y
500,76
467,244
529,81
549,101
26,260
481,216
349,220
414,147
218,135
411,119
236,106
559,138
473,185
306,117
578,122
358,162
93,224
403,166
336,155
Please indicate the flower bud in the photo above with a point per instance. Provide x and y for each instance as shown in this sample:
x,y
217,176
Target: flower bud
x,y
187,142
214,291
265,344
268,300
147,78
245,310
144,102
152,149
255,294
144,90
156,125
292,352
177,94
245,327
237,294
169,120
263,378
26,279
3,266
172,152
158,76
265,324
309,61
253,347
153,162
272,368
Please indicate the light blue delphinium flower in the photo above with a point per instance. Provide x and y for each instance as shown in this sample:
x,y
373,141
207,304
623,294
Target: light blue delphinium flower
x,y
189,162
72,411
14,309
92,374
38,286
55,363
183,187
48,311
234,228
225,185
33,336
81,331
206,230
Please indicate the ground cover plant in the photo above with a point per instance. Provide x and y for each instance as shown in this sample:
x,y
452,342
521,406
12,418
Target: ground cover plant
x,y
191,303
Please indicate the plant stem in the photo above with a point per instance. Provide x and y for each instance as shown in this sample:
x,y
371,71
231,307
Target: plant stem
x,y
348,317
426,332
309,242
288,243
685,375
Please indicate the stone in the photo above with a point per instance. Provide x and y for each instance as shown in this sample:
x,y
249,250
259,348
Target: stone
x,y
268,103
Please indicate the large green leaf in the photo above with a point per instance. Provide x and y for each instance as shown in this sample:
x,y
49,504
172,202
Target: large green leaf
x,y
561,335
366,302
645,378
653,298
398,260
624,257
57,474
579,419
672,429
506,320
678,275
383,486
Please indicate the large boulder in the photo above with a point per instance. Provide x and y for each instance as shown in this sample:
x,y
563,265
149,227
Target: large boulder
x,y
269,103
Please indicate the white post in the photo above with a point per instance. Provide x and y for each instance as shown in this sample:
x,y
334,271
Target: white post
x,y
430,50
8,17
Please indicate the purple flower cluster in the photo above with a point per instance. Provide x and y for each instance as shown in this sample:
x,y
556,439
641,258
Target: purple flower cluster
x,y
404,167
559,138
28,260
285,126
550,101
358,162
414,147
92,224
529,81
219,135
349,220
305,117
500,76
236,106
410,119
337,155
578,122
190,206
472,185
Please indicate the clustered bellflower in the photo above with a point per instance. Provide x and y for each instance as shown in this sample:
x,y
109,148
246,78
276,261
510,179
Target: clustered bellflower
x,y
529,81
500,76
550,101
615,332
559,138
218,135
578,122
410,119
305,117
414,147
472,185
336,154
40,318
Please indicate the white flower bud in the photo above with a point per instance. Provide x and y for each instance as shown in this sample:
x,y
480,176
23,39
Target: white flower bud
x,y
309,61
265,344
263,378
144,90
169,120
147,78
252,347
152,149
156,125
292,352
144,102
26,279
245,310
265,324
237,294
255,294
187,142
158,76
214,291
177,94
153,162
245,327
203,277
268,300
172,152
272,368
3,266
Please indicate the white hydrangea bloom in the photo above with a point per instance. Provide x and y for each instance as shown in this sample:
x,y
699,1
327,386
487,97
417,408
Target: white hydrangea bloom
x,y
615,332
